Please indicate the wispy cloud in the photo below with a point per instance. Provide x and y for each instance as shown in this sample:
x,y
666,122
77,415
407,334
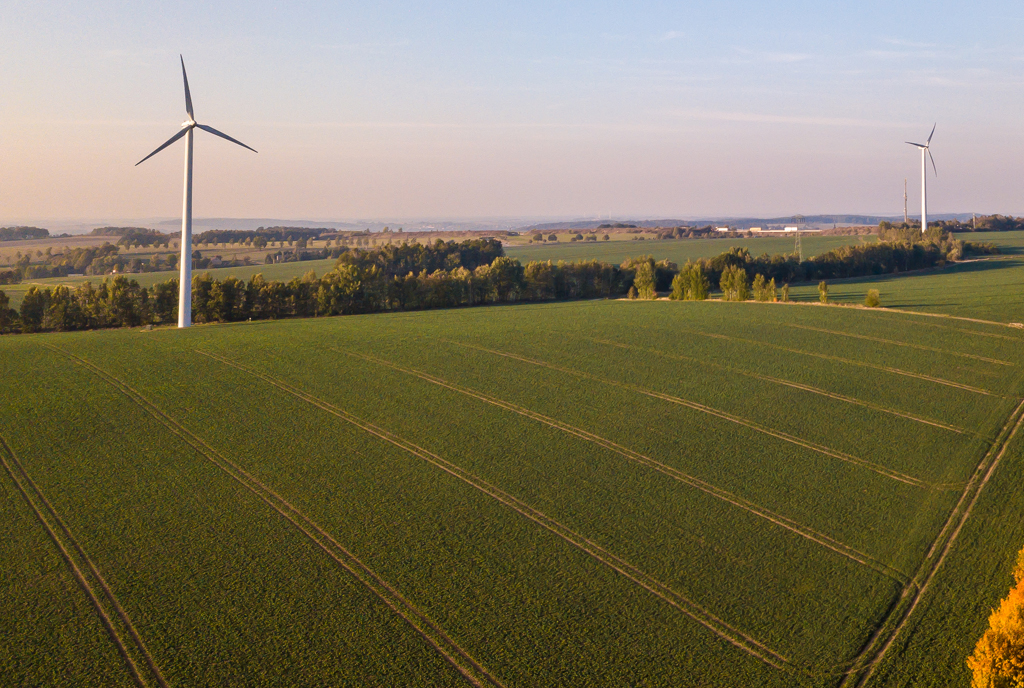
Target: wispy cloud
x,y
908,44
768,118
671,35
771,56
367,45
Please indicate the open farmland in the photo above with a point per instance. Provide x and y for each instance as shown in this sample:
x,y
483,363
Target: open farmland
x,y
599,493
676,250
990,288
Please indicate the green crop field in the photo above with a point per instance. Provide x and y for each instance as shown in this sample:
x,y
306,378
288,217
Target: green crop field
x,y
590,493
991,288
675,250
279,271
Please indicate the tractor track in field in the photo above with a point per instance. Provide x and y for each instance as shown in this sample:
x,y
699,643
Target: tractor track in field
x,y
849,361
717,626
788,383
919,347
874,650
701,485
468,667
68,542
961,329
778,434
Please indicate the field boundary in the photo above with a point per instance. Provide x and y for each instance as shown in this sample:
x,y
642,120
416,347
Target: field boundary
x,y
879,643
919,347
638,577
787,383
468,667
850,361
694,482
68,542
778,434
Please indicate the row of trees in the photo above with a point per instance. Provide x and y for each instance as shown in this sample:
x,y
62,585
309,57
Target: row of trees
x,y
442,275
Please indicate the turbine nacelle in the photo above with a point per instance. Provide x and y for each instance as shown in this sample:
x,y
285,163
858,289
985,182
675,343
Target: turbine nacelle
x,y
925,147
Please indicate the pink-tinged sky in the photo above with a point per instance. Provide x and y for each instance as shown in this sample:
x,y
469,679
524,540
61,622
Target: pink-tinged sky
x,y
537,109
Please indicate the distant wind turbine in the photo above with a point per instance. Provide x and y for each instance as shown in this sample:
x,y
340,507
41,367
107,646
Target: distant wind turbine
x,y
185,281
924,178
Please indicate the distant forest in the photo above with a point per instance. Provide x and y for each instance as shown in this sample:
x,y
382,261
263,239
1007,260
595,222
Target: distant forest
x,y
21,233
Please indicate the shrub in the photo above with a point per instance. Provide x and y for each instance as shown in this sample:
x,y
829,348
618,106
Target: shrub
x,y
632,293
785,291
823,291
872,300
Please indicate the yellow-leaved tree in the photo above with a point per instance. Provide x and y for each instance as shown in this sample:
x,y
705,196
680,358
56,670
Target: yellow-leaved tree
x,y
998,659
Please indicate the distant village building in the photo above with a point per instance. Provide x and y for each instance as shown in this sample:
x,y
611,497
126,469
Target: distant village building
x,y
721,229
791,229
756,229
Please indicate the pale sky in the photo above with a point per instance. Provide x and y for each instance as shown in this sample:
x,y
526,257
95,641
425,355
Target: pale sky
x,y
540,109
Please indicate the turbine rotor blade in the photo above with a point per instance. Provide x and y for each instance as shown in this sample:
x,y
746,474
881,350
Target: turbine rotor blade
x,y
188,96
933,132
225,136
933,164
919,145
169,141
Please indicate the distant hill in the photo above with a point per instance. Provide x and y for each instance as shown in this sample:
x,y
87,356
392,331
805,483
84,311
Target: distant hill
x,y
812,220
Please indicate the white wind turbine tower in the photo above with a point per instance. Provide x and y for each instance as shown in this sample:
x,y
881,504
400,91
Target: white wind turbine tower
x,y
185,280
924,178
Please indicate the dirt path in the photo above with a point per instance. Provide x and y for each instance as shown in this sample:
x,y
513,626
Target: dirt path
x,y
65,542
786,383
919,347
778,434
691,609
874,650
470,669
716,492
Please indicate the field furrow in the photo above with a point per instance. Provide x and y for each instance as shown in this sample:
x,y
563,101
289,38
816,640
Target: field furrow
x,y
874,651
777,434
848,361
588,493
84,571
785,383
718,493
893,342
434,635
632,573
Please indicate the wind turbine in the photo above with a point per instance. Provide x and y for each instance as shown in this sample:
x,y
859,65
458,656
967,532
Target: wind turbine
x,y
185,280
924,179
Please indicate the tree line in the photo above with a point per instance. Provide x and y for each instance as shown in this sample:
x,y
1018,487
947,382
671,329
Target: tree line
x,y
22,233
450,274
